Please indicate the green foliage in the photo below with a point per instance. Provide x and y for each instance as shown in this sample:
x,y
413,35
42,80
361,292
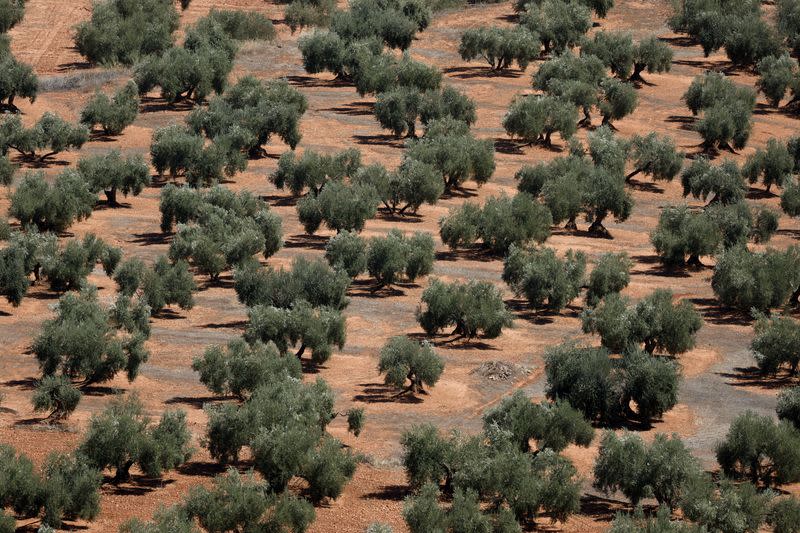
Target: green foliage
x,y
658,470
237,502
121,32
311,281
655,156
394,256
403,359
785,515
559,24
727,110
51,134
788,408
248,114
315,329
406,189
239,368
551,425
500,47
546,281
84,345
399,109
750,40
762,280
112,114
453,151
21,489
661,523
51,207
243,25
534,119
776,343
611,274
619,99
656,322
57,395
774,166
777,75
347,252
111,173
355,420
723,183
501,223
422,512
602,388
313,171
122,436
159,285
71,489
341,206
474,308
11,14
303,13
218,229
16,79
730,506
683,233
758,449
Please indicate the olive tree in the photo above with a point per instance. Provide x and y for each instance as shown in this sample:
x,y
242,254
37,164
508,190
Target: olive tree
x,y
406,360
473,308
118,32
788,408
722,183
602,387
611,274
404,190
51,207
453,151
112,114
162,284
655,322
111,173
399,109
683,236
49,136
726,505
558,23
546,281
56,395
249,113
656,156
313,170
777,75
774,344
240,368
500,47
11,14
761,280
396,256
340,206
122,436
758,449
552,426
774,165
658,470
347,252
17,80
499,224
534,119
727,110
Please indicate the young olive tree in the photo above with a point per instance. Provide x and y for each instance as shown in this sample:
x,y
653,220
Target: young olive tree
x,y
655,156
727,110
54,207
17,80
49,136
559,24
394,256
340,206
774,166
722,183
111,173
112,114
534,119
655,322
474,308
500,47
313,170
760,280
611,274
546,281
404,190
683,236
774,344
501,223
122,436
406,360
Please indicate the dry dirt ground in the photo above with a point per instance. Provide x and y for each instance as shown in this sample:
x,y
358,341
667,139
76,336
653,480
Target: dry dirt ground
x,y
716,384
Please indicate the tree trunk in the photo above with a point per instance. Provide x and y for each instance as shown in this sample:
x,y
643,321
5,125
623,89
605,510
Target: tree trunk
x,y
597,225
111,195
301,351
123,472
638,68
632,174
571,224
795,298
694,260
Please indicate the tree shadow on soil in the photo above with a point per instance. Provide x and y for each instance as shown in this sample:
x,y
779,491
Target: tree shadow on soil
x,y
380,139
312,82
394,493
600,508
201,469
303,240
715,313
645,186
138,485
198,402
465,73
151,238
353,109
753,377
381,393
539,317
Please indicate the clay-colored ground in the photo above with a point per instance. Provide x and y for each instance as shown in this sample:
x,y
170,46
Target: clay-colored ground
x,y
715,387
